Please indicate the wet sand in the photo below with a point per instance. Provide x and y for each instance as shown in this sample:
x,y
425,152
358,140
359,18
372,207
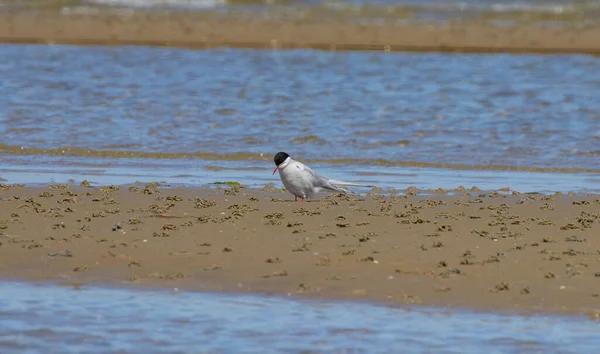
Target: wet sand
x,y
498,251
198,30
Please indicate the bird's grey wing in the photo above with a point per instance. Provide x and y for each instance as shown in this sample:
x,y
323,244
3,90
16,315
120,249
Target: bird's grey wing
x,y
306,169
318,180
324,183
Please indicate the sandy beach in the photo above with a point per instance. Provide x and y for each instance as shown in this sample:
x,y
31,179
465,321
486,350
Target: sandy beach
x,y
196,30
499,251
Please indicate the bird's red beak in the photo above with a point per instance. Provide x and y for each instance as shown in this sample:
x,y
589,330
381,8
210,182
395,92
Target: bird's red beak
x,y
275,170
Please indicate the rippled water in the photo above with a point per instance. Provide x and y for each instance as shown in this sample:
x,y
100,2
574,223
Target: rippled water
x,y
509,110
376,113
48,319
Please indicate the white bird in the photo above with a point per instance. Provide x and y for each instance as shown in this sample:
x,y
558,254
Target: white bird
x,y
302,181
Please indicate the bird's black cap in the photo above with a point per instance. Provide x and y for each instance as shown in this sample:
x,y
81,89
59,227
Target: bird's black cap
x,y
280,157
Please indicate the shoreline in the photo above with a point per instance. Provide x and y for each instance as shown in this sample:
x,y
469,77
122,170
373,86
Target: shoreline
x,y
523,253
196,31
592,314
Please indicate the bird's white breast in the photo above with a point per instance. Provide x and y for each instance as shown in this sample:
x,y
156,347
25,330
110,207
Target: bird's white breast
x,y
297,180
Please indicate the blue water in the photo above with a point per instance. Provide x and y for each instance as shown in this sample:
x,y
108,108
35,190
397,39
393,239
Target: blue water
x,y
52,319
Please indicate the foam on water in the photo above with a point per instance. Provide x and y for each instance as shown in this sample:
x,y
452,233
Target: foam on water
x,y
357,11
556,7
49,319
145,4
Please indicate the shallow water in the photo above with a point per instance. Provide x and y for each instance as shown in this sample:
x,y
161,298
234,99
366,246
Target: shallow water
x,y
96,111
194,172
50,319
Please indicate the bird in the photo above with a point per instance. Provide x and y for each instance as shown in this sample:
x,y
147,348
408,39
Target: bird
x,y
301,181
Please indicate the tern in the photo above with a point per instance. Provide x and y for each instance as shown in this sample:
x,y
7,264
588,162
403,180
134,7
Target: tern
x,y
301,181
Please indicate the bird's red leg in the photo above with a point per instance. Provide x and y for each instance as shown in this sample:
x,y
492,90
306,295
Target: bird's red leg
x,y
302,200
